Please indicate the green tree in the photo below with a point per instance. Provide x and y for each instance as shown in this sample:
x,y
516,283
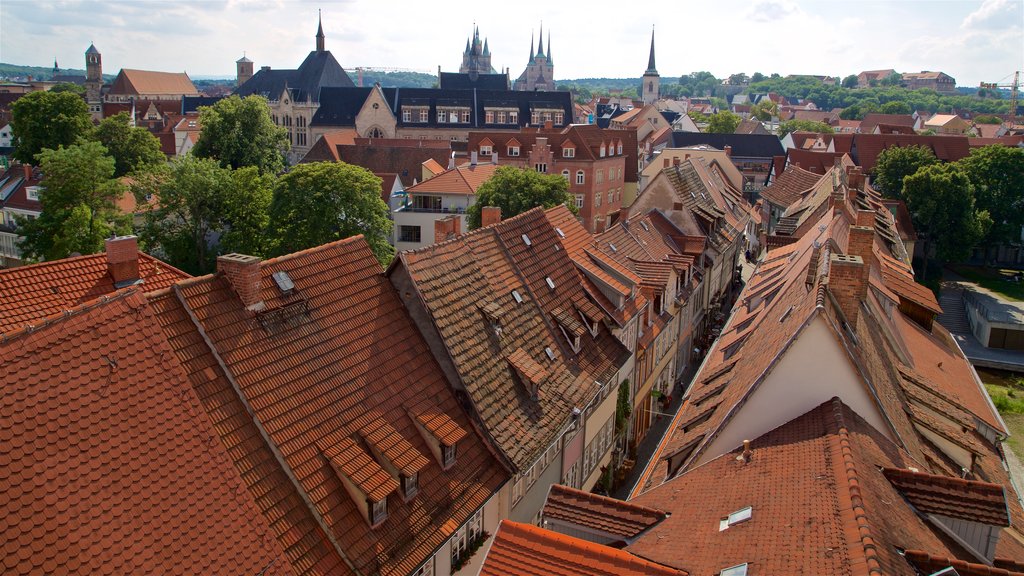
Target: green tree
x,y
79,200
896,163
41,120
246,214
893,79
320,202
723,122
516,190
997,174
765,109
987,119
850,81
896,107
804,126
181,225
239,132
132,147
68,87
757,77
941,199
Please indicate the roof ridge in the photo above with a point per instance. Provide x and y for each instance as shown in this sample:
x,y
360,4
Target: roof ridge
x,y
840,439
28,329
607,499
313,250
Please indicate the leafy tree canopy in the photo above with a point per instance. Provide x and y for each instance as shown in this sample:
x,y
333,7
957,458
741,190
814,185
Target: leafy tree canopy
x,y
133,147
239,132
41,120
997,174
516,190
896,163
723,122
804,126
941,199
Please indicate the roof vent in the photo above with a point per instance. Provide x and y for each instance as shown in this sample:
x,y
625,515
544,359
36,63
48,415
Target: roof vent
x,y
645,226
559,232
283,281
526,240
550,282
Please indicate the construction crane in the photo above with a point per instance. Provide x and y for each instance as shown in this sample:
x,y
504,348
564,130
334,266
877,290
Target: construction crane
x,y
359,71
1014,89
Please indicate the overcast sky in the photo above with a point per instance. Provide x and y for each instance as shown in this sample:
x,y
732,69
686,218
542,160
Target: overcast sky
x,y
970,40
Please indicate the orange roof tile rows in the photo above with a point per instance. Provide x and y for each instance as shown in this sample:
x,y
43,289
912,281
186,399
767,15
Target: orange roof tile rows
x,y
619,518
525,550
788,186
147,82
464,179
108,464
309,369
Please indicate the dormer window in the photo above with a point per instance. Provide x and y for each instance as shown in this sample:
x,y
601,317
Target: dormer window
x,y
378,511
604,151
410,486
448,455
620,148
568,152
485,150
513,150
32,192
738,570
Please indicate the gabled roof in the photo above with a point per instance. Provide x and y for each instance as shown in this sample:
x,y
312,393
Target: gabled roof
x,y
106,456
307,368
872,119
465,180
818,162
149,83
318,71
620,518
30,293
393,158
526,550
865,148
788,186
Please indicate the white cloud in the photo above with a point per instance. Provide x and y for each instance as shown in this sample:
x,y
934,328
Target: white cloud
x,y
995,14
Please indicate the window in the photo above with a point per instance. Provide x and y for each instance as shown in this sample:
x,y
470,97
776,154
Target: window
x,y
620,148
541,167
379,512
448,455
427,569
611,196
517,490
442,116
579,200
489,117
409,234
580,178
501,117
740,570
411,485
485,150
741,515
465,536
604,151
597,200
513,117
535,117
565,174
464,116
599,176
559,117
568,152
513,150
32,192
424,114
426,203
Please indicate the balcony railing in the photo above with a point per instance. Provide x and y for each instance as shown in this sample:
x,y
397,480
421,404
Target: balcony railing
x,y
447,210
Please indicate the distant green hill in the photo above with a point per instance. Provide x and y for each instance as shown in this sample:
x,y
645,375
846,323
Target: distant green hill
x,y
8,71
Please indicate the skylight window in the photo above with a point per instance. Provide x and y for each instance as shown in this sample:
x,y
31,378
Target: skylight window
x,y
517,296
644,224
283,281
613,248
551,283
740,570
550,353
526,240
741,515
560,233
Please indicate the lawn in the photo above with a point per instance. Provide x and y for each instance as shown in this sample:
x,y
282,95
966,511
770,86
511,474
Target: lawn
x,y
1007,392
998,280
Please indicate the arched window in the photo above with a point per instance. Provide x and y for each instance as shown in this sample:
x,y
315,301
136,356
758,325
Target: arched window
x,y
565,174
650,86
579,177
375,133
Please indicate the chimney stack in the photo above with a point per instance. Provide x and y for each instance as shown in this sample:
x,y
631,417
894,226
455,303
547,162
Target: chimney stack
x,y
447,228
473,159
26,170
123,260
494,157
728,151
866,218
862,243
243,272
747,455
848,283
489,215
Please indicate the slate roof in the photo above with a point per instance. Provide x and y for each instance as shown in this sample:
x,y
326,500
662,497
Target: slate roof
x,y
192,103
318,71
30,293
743,145
309,369
526,550
108,464
470,80
495,342
624,519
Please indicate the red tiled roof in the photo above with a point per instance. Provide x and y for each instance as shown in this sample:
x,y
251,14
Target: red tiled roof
x,y
525,550
872,119
147,82
927,563
609,515
30,293
867,147
788,186
108,464
465,179
351,461
816,161
309,368
971,500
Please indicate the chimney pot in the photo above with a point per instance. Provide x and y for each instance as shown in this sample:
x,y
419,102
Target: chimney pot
x,y
123,260
490,215
748,454
243,273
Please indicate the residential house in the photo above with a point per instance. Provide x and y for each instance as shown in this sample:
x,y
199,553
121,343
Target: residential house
x,y
947,124
750,126
436,208
788,189
939,81
711,156
751,153
525,347
599,164
19,198
871,121
865,148
333,409
381,155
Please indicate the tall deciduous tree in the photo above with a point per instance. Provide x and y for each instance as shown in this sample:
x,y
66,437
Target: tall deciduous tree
x,y
132,147
516,190
321,202
723,122
997,173
79,200
941,199
239,132
41,120
896,163
850,81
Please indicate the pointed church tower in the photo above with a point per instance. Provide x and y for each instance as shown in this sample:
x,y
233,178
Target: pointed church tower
x,y
651,80
319,32
94,82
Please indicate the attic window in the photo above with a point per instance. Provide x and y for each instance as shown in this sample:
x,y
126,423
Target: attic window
x,y
739,570
410,485
645,226
559,232
448,455
741,515
613,248
550,353
526,240
550,282
379,512
283,281
517,296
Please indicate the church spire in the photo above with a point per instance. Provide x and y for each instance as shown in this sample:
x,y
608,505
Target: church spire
x,y
319,32
549,47
651,70
540,42
531,46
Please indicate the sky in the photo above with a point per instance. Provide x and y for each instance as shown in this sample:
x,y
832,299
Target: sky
x,y
973,41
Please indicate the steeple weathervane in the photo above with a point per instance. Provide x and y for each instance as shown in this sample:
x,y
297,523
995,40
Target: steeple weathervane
x,y
319,32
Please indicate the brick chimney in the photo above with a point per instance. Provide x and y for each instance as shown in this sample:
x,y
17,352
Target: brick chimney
x,y
855,177
123,260
676,161
728,151
447,228
489,215
26,170
862,243
243,272
866,218
848,283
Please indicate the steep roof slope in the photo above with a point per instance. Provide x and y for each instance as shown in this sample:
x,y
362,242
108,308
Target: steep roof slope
x,y
108,464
